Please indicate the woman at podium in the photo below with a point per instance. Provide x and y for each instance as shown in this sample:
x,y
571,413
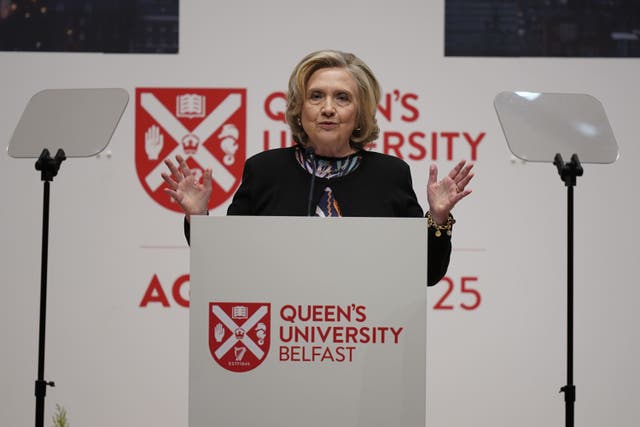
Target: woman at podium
x,y
331,110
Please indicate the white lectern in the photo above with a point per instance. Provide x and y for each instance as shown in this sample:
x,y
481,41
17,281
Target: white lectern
x,y
307,321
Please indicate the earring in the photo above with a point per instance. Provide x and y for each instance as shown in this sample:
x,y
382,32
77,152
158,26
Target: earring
x,y
299,121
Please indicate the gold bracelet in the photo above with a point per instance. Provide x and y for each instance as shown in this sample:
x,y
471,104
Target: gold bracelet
x,y
439,228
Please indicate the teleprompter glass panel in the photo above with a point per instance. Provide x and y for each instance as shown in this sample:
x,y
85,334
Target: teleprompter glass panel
x,y
537,126
78,121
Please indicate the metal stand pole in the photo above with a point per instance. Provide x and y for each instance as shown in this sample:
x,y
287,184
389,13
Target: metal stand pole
x,y
49,168
568,172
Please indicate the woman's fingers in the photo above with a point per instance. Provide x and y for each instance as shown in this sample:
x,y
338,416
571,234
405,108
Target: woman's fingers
x,y
170,182
175,172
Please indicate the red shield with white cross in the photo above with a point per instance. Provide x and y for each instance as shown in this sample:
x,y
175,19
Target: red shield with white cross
x,y
239,334
205,126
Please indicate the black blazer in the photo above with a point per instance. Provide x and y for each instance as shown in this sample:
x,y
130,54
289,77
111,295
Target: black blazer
x,y
273,183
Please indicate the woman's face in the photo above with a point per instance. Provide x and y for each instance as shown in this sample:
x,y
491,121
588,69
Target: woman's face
x,y
329,111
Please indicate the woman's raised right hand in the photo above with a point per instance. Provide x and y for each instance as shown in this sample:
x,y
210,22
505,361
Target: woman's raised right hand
x,y
185,188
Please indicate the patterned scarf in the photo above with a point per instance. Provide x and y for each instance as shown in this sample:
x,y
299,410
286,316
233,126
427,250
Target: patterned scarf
x,y
327,167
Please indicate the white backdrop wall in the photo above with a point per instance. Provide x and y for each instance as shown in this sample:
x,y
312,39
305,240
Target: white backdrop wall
x,y
499,364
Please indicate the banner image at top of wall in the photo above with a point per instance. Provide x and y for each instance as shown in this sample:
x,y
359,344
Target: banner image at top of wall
x,y
118,26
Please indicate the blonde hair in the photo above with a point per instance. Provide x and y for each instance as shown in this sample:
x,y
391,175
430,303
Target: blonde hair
x,y
366,129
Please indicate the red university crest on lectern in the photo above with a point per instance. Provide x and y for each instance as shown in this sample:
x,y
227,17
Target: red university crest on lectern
x,y
239,334
205,126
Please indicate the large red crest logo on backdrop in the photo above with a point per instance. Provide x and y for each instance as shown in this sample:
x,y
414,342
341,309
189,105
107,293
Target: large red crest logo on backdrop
x,y
205,126
239,334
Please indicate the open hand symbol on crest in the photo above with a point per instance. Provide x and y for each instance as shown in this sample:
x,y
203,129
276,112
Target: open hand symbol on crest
x,y
218,332
153,142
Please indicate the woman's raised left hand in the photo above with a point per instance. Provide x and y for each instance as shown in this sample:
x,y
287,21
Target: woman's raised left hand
x,y
443,195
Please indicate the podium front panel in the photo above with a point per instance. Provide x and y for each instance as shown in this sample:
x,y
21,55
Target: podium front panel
x,y
307,321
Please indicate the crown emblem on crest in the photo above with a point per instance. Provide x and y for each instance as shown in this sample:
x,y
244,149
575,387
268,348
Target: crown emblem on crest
x,y
190,144
239,333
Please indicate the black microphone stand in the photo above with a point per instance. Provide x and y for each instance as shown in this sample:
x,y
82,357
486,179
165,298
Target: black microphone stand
x,y
568,172
310,153
49,168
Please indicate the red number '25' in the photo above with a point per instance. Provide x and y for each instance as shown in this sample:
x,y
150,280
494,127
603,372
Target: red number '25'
x,y
474,294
